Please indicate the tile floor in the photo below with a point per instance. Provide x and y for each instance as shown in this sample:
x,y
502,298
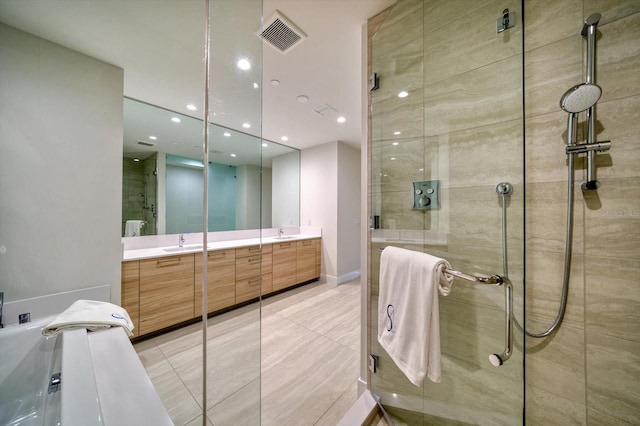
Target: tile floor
x,y
298,365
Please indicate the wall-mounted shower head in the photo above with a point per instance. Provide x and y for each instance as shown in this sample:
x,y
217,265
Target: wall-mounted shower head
x,y
580,98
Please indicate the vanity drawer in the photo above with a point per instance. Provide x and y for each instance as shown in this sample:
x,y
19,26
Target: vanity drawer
x,y
248,289
247,251
221,280
247,267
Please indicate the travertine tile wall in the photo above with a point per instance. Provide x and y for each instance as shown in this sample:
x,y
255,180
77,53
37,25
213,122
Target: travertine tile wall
x,y
462,124
588,373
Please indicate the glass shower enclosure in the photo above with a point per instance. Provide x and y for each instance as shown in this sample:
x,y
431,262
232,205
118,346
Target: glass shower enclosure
x,y
446,168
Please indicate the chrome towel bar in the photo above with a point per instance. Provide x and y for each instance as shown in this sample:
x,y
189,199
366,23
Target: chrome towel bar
x,y
495,359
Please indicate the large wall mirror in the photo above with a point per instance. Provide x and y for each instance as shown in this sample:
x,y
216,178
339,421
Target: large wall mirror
x,y
162,176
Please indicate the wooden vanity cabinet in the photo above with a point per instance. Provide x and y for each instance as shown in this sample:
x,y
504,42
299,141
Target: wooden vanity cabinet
x,y
248,260
130,293
166,291
284,265
318,246
305,260
266,269
221,280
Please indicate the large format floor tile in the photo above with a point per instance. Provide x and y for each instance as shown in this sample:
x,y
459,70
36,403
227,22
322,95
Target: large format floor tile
x,y
291,359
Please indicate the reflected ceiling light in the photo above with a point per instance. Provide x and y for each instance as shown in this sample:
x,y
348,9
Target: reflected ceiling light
x,y
244,64
175,119
284,139
392,158
265,145
246,125
191,107
397,133
153,138
302,98
233,155
422,170
395,143
256,85
135,160
341,119
227,134
403,94
275,82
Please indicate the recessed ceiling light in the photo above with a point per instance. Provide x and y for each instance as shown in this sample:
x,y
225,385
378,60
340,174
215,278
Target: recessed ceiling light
x,y
175,119
191,107
302,98
397,133
135,160
256,85
244,64
403,94
153,138
284,139
275,82
265,145
341,119
233,155
246,125
227,134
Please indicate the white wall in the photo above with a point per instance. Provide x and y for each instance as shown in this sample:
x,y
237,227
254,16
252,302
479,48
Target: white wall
x,y
60,169
348,212
285,175
330,199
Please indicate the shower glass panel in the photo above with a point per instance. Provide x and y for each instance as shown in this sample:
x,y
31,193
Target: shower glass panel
x,y
446,122
233,338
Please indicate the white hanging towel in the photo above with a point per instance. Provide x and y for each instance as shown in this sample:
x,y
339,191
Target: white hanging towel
x,y
132,228
408,311
92,315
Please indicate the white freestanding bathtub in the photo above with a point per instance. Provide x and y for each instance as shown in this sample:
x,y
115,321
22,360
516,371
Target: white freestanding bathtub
x,y
101,380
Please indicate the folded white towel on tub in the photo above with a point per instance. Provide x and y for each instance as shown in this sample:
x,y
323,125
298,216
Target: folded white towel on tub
x,y
92,315
408,310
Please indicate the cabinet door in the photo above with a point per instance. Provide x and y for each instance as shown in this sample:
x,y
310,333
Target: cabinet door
x,y
317,243
221,280
284,265
130,293
166,292
266,269
247,289
305,260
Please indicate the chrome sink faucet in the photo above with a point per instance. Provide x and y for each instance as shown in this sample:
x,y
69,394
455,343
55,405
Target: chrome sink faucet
x,y
181,240
280,232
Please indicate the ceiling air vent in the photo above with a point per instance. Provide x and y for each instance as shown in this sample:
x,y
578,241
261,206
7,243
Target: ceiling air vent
x,y
280,33
145,143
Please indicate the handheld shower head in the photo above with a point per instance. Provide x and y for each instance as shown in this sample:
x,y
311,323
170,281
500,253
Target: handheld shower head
x,y
580,97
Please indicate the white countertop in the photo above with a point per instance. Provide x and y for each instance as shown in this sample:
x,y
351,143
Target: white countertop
x,y
148,253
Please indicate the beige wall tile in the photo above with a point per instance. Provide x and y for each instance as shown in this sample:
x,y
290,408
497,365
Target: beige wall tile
x,y
397,114
613,367
544,289
474,43
398,174
438,14
613,297
551,20
612,219
618,58
618,122
402,26
400,69
546,217
550,71
611,9
595,417
556,364
460,102
548,409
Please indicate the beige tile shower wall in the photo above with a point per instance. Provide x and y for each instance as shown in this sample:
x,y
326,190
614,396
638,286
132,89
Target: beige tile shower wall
x,y
588,373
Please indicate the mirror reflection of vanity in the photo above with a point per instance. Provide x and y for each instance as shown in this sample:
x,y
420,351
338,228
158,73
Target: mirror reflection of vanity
x,y
163,176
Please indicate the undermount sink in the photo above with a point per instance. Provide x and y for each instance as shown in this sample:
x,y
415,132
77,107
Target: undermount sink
x,y
283,237
187,247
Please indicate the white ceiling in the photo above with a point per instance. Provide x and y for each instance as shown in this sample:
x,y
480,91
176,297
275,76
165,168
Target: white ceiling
x,y
160,46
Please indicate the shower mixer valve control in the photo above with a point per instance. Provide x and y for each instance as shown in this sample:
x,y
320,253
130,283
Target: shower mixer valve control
x,y
425,195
